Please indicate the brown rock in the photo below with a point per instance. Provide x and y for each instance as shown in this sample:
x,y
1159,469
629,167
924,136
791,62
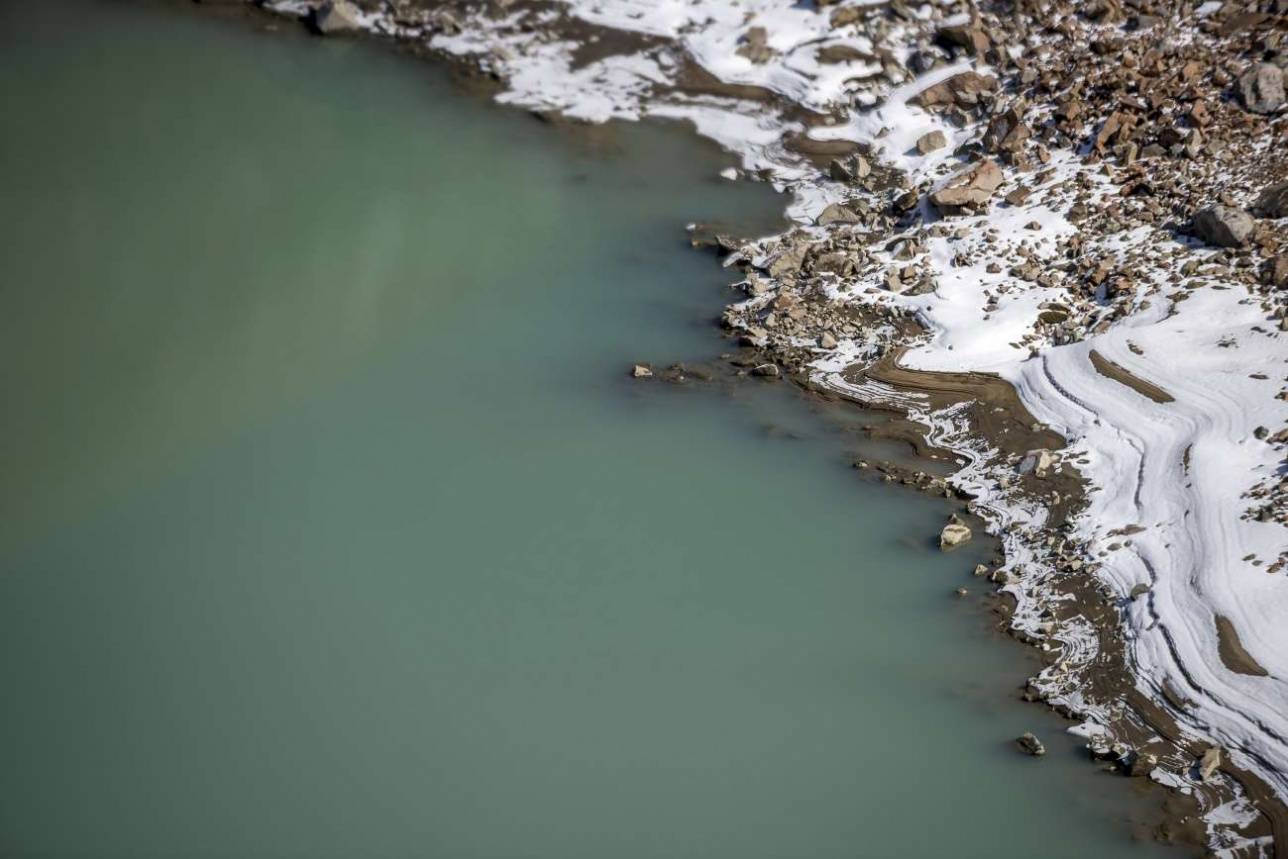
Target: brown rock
x,y
972,187
960,89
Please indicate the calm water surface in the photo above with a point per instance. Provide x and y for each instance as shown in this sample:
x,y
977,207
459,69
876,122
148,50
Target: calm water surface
x,y
331,526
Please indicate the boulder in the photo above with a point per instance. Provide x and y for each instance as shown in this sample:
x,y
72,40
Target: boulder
x,y
336,16
838,214
1038,463
969,36
1209,763
971,187
1273,202
755,46
1030,745
641,371
1223,226
929,142
953,535
963,89
768,371
1262,88
1006,131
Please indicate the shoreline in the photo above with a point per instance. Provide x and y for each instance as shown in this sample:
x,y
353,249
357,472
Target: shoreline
x,y
870,348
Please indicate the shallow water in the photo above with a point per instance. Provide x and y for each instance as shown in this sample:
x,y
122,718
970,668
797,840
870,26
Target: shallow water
x,y
332,525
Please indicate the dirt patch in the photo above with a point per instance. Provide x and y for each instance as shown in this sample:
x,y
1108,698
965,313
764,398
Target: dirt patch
x,y
1233,655
1120,374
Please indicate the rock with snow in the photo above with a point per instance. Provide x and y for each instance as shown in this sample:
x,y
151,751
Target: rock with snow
x,y
1209,763
1262,88
1223,226
1038,463
641,371
954,534
972,187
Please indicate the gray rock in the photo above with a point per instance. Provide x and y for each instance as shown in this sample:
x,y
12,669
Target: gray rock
x,y
769,371
1030,745
1038,463
1223,226
1262,88
336,16
1273,202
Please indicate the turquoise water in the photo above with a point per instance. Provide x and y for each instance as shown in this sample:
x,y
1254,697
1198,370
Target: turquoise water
x,y
333,527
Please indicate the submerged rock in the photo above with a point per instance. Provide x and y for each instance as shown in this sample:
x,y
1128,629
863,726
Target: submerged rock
x,y
954,534
769,371
1030,745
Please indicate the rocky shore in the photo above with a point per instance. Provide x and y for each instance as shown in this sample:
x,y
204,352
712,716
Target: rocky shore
x,y
1052,236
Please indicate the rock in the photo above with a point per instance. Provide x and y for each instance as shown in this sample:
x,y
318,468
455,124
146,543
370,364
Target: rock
x,y
1038,463
971,37
1006,132
928,143
755,46
1273,202
838,214
1262,88
641,371
768,371
972,187
827,341
336,16
788,260
953,535
1209,763
1223,226
1030,745
961,592
962,89
1142,764
849,169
